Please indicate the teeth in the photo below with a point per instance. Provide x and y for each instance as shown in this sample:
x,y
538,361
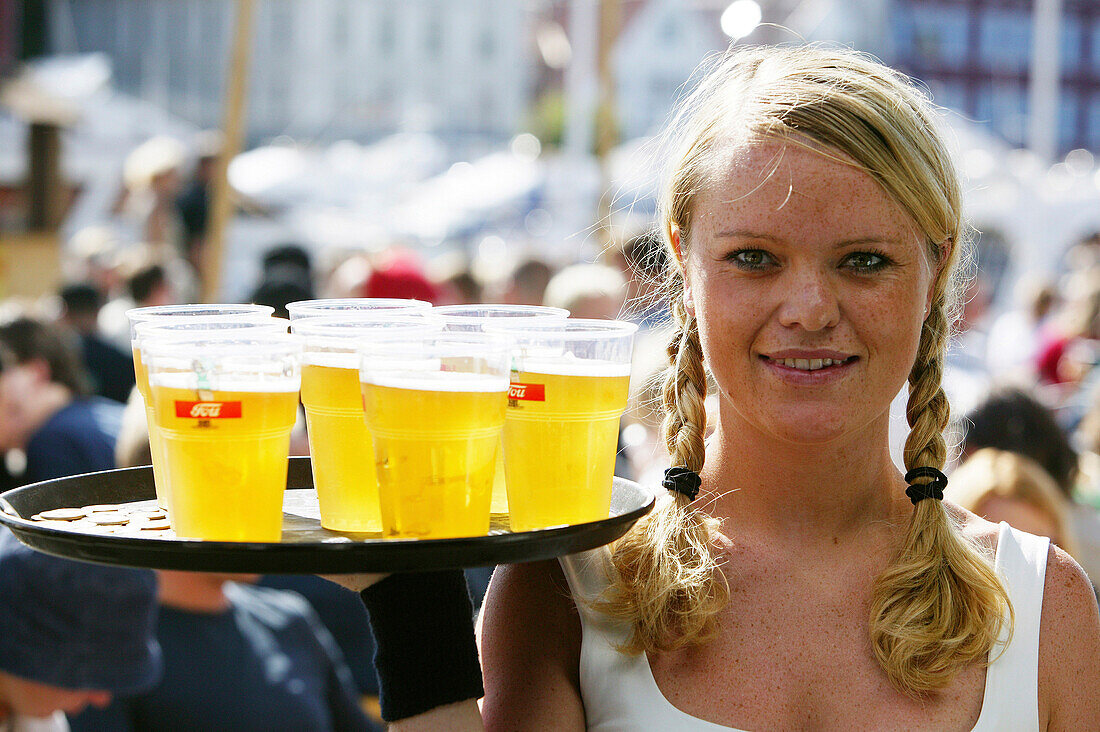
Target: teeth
x,y
807,364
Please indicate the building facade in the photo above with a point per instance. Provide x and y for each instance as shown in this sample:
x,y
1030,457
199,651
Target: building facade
x,y
975,55
319,68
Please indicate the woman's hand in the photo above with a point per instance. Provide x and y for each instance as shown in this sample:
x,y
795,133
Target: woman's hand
x,y
354,582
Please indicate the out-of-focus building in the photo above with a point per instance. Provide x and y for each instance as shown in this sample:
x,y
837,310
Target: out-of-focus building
x,y
655,54
975,57
320,68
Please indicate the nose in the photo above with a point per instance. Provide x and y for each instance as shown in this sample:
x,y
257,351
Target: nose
x,y
809,302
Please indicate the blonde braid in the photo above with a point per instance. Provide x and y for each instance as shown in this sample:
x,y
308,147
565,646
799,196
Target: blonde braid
x,y
940,607
666,582
684,393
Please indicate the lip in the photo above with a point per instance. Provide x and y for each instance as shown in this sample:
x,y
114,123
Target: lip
x,y
818,377
808,353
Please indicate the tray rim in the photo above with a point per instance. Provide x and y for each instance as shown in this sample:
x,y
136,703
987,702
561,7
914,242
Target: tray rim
x,y
332,556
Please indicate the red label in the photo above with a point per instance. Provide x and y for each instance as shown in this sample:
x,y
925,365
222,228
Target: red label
x,y
208,410
527,392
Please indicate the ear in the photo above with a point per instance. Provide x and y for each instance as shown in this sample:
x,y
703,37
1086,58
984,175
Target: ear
x,y
674,237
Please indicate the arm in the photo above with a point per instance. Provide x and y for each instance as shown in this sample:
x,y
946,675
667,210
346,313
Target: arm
x,y
1069,648
461,716
426,656
530,650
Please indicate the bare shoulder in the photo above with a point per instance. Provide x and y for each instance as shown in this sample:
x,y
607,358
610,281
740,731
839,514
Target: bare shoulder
x,y
977,529
1069,647
530,650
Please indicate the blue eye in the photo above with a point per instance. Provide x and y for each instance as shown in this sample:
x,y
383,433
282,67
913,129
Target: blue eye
x,y
866,261
751,259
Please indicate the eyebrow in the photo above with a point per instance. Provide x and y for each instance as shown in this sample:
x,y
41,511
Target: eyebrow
x,y
745,234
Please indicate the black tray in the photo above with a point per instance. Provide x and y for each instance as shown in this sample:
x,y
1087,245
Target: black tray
x,y
306,547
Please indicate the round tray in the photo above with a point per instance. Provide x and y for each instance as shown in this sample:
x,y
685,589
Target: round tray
x,y
306,547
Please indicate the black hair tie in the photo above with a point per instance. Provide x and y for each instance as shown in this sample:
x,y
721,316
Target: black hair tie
x,y
682,480
917,492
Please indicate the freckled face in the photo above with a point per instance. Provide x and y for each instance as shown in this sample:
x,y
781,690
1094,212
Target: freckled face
x,y
810,287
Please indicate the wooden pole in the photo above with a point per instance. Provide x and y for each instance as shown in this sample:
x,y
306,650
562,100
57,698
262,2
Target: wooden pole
x,y
221,204
607,133
45,187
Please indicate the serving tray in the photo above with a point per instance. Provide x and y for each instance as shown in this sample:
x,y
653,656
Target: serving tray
x,y
305,548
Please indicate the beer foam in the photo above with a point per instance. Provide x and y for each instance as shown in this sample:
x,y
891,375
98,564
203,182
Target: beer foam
x,y
571,366
331,359
438,381
261,383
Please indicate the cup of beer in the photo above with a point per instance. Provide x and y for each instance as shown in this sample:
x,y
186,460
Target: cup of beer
x,y
435,408
225,406
474,318
341,449
568,390
184,329
352,306
166,313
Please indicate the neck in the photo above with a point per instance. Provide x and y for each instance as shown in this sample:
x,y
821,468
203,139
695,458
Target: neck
x,y
802,493
192,591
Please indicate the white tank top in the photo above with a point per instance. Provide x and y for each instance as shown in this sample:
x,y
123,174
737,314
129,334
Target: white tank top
x,y
621,695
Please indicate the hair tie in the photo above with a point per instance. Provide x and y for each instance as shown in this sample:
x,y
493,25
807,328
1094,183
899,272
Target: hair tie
x,y
917,492
682,480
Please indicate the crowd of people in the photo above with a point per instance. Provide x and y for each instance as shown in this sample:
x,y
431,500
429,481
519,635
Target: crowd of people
x,y
759,261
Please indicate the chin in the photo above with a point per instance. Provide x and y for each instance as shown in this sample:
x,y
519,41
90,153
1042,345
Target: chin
x,y
807,429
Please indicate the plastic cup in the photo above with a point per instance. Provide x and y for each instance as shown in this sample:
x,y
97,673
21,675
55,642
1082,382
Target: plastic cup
x,y
341,448
568,390
352,306
475,318
435,408
225,406
166,313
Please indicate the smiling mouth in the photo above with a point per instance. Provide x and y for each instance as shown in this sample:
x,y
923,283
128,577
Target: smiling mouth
x,y
809,364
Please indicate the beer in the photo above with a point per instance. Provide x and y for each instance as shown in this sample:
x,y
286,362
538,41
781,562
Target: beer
x,y
560,440
436,440
342,449
156,442
474,318
175,313
226,453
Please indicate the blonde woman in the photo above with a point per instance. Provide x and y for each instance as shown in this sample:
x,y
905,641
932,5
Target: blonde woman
x,y
813,219
792,578
1005,486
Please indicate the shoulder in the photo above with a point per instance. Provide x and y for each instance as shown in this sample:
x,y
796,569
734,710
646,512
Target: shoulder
x,y
1069,646
521,592
530,638
973,527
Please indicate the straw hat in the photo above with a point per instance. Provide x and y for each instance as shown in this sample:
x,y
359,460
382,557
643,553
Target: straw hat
x,y
151,158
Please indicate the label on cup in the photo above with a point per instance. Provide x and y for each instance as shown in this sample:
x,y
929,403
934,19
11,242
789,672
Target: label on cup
x,y
526,392
208,410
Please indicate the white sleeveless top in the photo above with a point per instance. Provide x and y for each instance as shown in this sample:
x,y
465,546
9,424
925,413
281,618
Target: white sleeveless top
x,y
621,695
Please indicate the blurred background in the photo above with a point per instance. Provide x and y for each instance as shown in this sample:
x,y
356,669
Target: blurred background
x,y
479,132
463,151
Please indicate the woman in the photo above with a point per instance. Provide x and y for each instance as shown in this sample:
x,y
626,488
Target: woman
x,y
814,222
1005,486
793,578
